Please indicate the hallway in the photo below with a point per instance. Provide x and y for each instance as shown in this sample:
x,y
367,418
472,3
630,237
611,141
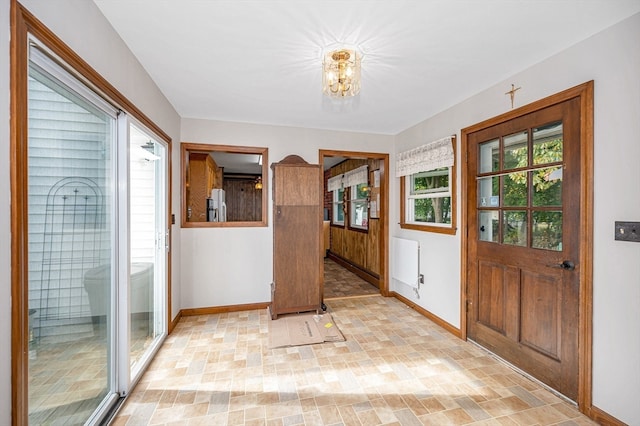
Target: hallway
x,y
340,282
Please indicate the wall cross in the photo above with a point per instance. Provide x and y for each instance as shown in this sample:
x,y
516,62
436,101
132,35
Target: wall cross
x,y
512,93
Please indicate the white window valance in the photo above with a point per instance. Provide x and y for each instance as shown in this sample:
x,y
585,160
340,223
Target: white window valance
x,y
350,178
427,157
356,176
334,183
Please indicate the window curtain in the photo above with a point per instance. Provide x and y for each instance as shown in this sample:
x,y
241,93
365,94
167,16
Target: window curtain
x,y
334,183
427,157
350,178
356,176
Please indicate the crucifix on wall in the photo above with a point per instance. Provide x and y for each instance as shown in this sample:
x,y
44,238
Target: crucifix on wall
x,y
512,93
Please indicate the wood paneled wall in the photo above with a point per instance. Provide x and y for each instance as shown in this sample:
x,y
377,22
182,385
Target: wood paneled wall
x,y
244,201
359,248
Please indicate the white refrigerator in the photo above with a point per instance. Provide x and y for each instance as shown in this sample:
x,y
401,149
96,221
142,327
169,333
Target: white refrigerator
x,y
216,207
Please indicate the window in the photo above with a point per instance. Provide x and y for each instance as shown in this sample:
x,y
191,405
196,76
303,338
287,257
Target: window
x,y
428,195
358,206
224,186
338,207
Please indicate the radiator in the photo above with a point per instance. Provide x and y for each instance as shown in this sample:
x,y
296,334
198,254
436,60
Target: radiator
x,y
405,261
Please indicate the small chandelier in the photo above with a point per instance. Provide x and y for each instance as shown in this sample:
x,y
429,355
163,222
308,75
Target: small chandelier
x,y
341,73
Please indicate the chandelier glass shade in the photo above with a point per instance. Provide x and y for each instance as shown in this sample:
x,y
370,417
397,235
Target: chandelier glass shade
x,y
341,73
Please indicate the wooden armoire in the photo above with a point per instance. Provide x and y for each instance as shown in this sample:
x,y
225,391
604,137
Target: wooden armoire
x,y
297,243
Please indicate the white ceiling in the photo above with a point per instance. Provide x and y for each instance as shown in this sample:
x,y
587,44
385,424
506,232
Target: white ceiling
x,y
259,61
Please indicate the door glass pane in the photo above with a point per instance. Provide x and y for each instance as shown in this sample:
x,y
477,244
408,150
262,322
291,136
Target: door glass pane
x,y
514,230
489,192
70,252
488,225
489,156
547,187
547,143
516,152
546,230
147,281
515,189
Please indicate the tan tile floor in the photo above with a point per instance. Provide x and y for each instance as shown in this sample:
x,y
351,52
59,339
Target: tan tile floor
x,y
68,374
395,368
339,282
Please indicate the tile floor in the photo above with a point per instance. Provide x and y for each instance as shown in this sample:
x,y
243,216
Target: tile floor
x,y
68,374
395,368
339,282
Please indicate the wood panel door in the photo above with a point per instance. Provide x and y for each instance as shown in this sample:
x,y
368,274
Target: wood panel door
x,y
523,215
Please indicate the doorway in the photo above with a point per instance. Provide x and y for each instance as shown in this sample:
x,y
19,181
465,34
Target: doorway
x,y
355,231
528,219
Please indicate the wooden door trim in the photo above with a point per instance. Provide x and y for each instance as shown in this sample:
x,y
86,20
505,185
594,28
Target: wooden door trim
x,y
383,246
585,332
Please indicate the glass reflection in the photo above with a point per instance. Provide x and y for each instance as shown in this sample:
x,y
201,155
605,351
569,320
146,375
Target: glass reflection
x,y
516,152
546,230
514,230
547,143
547,187
488,225
489,156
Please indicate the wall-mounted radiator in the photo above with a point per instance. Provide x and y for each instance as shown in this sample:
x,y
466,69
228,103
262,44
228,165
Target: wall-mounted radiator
x,y
405,262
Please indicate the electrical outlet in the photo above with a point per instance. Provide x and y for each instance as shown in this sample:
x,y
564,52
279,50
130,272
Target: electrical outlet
x,y
628,231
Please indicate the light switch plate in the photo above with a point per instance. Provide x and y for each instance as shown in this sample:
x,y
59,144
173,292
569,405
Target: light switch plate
x,y
628,231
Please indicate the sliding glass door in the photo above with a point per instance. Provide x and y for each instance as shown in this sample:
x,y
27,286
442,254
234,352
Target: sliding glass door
x,y
72,241
148,246
97,223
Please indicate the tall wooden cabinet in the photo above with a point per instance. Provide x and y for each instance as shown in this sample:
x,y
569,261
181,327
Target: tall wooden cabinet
x,y
297,242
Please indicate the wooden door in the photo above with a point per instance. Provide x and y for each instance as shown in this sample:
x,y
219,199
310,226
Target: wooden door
x,y
523,215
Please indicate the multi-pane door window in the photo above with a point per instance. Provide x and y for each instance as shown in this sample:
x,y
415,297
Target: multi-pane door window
x,y
428,196
520,188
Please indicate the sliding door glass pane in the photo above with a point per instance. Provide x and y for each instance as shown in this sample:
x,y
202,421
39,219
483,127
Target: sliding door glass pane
x,y
147,280
71,241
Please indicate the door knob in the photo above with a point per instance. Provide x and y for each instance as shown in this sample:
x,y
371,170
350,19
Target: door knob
x,y
568,265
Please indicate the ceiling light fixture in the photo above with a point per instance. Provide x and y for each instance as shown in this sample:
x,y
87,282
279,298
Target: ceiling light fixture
x,y
341,73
